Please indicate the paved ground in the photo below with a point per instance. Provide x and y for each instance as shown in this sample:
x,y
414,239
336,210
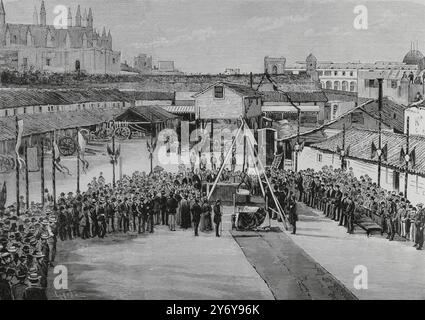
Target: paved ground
x,y
395,269
288,270
165,265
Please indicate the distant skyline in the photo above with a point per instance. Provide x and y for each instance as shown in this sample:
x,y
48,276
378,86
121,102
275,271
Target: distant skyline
x,y
208,36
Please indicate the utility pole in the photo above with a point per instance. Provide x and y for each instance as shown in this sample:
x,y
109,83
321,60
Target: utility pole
x,y
27,188
17,164
343,148
380,80
113,154
297,146
78,161
42,171
53,167
407,158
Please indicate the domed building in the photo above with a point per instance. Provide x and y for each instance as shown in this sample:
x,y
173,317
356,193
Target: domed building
x,y
414,57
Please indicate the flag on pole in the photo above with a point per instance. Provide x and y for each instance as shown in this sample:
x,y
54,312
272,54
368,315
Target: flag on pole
x,y
19,160
60,167
82,145
3,196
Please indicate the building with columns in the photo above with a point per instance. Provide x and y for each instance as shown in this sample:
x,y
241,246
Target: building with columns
x,y
74,47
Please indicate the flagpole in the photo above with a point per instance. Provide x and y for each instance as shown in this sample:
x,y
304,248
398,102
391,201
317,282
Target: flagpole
x,y
113,154
380,130
53,168
78,160
27,190
343,148
42,171
18,206
406,181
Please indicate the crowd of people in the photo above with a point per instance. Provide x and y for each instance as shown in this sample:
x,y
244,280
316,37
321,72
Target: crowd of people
x,y
140,202
136,204
347,200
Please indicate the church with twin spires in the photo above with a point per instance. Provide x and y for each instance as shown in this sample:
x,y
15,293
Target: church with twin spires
x,y
74,46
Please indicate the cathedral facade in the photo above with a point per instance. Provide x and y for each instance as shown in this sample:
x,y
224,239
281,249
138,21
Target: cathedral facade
x,y
76,46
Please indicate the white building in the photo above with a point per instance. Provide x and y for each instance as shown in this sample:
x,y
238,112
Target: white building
x,y
360,159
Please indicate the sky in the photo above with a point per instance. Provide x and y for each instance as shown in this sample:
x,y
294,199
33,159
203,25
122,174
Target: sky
x,y
207,36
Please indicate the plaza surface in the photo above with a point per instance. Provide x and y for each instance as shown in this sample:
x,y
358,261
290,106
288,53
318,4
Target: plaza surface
x,y
162,265
395,270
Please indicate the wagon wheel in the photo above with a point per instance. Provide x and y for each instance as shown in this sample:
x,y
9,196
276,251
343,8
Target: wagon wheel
x,y
122,133
67,146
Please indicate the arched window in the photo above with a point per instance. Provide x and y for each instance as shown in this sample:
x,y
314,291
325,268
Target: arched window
x,y
323,85
352,86
328,84
336,85
344,86
274,70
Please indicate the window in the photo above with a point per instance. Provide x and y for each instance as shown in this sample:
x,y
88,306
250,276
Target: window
x,y
218,92
351,73
48,61
352,86
343,73
320,73
113,60
25,109
394,84
335,73
6,113
334,111
25,62
344,86
40,109
319,157
328,73
336,85
371,83
14,112
328,85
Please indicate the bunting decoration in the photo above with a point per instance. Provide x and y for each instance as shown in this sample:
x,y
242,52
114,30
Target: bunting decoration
x,y
3,196
60,167
82,146
402,158
19,160
385,152
113,155
412,157
373,151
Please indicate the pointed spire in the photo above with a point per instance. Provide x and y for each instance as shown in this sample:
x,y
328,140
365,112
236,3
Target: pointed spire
x,y
78,17
109,34
42,14
90,19
69,24
2,13
104,32
35,16
84,22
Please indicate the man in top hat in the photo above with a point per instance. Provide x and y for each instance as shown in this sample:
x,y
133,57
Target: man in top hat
x,y
18,289
34,290
196,215
217,217
419,224
172,210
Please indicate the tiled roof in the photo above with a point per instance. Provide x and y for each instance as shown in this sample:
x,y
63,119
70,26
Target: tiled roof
x,y
392,113
46,122
149,95
303,96
241,89
148,113
14,98
339,95
360,143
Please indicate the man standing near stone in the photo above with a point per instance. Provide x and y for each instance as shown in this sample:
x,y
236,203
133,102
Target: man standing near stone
x,y
217,217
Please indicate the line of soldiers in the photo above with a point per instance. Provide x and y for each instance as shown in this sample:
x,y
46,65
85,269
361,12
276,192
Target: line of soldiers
x,y
27,250
136,204
346,199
